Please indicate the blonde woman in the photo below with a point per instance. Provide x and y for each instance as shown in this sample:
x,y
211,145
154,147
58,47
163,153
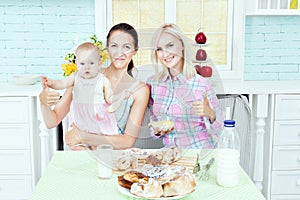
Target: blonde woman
x,y
180,95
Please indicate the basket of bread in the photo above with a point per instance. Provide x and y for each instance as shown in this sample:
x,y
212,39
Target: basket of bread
x,y
156,177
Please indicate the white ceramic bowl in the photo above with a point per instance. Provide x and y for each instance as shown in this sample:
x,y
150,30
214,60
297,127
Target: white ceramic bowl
x,y
25,79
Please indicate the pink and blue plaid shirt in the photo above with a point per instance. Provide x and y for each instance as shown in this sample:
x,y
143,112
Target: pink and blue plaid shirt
x,y
173,99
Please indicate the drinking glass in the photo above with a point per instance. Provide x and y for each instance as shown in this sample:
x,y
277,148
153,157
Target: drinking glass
x,y
105,158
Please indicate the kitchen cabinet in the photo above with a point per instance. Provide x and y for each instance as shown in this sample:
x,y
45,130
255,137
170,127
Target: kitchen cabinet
x,y
19,143
284,172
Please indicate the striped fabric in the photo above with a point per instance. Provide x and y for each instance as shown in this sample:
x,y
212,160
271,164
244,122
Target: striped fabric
x,y
172,99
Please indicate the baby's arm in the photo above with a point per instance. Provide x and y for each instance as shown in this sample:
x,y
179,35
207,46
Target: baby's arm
x,y
59,84
107,91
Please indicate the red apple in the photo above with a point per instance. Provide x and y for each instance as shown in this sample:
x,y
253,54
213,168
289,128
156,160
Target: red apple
x,y
206,71
201,54
200,38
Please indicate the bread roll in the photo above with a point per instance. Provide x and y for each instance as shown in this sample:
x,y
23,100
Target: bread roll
x,y
151,189
181,184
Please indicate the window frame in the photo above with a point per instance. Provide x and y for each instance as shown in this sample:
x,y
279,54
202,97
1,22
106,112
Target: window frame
x,y
103,21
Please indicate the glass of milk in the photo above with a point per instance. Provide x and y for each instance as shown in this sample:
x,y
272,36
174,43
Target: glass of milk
x,y
105,157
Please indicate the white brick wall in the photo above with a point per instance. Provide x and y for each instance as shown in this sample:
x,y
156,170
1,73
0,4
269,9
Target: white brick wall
x,y
35,34
272,48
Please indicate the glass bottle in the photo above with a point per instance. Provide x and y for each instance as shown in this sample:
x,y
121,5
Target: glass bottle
x,y
228,168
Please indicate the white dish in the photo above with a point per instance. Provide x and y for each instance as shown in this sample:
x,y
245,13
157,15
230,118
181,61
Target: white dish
x,y
25,79
126,192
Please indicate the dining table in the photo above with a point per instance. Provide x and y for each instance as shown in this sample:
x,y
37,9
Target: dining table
x,y
74,175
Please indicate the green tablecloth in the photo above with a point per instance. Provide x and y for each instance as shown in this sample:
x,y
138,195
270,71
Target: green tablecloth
x,y
73,175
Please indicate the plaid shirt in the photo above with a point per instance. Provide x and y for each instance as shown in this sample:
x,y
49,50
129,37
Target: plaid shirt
x,y
174,99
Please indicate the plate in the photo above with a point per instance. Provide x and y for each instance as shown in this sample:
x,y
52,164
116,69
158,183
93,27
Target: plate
x,y
126,192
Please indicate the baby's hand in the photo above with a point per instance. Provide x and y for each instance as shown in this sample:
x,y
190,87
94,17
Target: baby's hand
x,y
46,82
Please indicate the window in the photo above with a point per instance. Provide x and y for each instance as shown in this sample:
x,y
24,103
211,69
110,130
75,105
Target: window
x,y
221,20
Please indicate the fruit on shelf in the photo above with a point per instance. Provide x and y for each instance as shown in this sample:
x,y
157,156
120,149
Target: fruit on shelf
x,y
200,38
205,71
201,54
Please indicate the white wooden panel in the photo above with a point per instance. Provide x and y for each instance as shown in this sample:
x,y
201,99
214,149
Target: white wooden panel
x,y
285,197
14,110
286,158
287,107
287,132
285,182
15,162
14,136
15,187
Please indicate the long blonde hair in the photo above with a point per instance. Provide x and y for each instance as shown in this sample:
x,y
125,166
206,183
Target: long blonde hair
x,y
188,68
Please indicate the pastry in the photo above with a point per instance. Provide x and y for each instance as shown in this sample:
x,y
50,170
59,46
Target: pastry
x,y
124,183
154,171
134,176
124,162
153,160
134,162
158,154
131,177
180,184
176,153
149,189
167,156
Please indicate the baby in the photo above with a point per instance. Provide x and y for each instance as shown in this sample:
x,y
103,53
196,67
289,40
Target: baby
x,y
92,93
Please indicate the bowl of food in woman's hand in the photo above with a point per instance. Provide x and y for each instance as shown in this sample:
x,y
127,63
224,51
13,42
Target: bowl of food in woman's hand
x,y
162,125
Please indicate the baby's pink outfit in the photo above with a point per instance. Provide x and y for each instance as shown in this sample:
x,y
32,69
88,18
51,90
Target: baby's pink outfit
x,y
88,109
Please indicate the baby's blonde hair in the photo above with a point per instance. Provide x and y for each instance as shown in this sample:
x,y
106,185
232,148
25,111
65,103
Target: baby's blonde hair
x,y
87,46
188,68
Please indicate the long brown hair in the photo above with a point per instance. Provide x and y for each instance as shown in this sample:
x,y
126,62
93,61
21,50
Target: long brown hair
x,y
131,31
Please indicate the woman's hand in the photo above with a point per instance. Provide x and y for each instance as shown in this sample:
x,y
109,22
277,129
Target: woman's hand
x,y
48,97
74,139
74,136
203,109
77,148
